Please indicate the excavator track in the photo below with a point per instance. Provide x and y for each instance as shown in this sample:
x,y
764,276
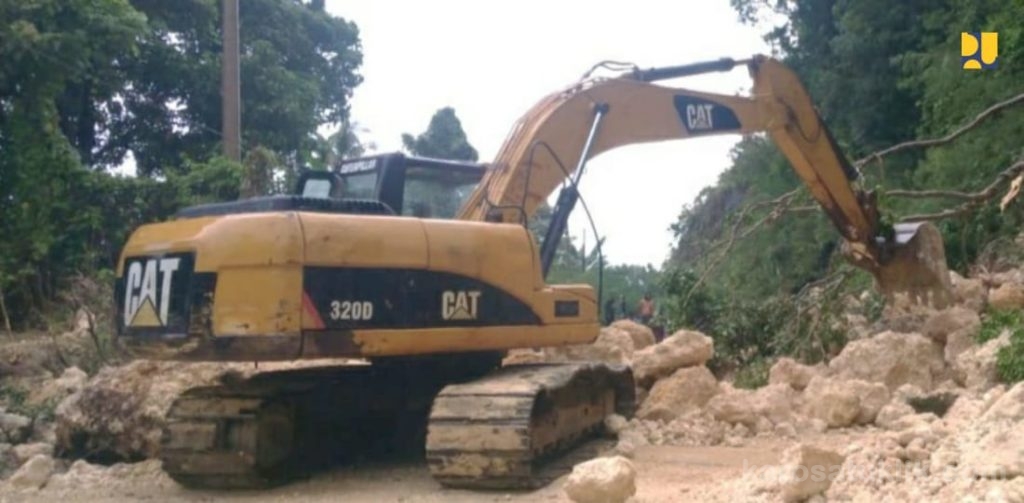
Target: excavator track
x,y
278,426
230,437
508,429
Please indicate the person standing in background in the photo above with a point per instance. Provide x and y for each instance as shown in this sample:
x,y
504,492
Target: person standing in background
x,y
646,309
622,306
609,310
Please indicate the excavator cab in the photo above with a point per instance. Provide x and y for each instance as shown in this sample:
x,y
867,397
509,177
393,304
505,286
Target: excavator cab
x,y
406,185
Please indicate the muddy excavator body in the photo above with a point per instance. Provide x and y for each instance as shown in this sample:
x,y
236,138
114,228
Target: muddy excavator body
x,y
425,271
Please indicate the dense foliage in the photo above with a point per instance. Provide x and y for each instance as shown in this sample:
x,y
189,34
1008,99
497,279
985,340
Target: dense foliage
x,y
443,139
881,73
89,86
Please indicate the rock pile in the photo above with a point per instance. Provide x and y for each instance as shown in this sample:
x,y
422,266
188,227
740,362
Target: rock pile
x,y
931,419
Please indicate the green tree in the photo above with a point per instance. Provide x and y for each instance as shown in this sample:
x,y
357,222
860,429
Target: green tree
x,y
46,47
85,83
298,69
443,139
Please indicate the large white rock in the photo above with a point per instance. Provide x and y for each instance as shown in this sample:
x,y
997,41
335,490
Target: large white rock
x,y
685,390
833,401
642,335
120,412
14,428
993,445
612,345
956,328
71,381
797,375
891,358
872,396
734,406
25,452
745,407
999,453
684,348
775,402
1009,406
1007,296
808,470
602,480
969,293
975,368
34,473
890,415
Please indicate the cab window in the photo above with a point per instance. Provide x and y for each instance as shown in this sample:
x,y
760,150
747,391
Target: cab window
x,y
436,193
362,185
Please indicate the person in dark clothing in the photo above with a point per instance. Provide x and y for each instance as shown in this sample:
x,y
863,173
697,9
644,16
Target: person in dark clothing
x,y
622,306
609,311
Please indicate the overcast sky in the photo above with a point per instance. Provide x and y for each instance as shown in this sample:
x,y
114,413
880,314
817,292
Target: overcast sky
x,y
492,61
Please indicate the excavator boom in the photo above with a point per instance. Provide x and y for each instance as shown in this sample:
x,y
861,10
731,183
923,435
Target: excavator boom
x,y
550,145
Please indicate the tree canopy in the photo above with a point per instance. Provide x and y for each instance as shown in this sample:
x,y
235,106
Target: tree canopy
x,y
90,86
881,73
443,139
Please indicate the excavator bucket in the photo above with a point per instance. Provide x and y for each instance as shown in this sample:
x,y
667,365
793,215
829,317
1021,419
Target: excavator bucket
x,y
912,265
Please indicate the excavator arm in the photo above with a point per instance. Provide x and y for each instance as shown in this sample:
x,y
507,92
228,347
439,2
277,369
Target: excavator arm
x,y
551,144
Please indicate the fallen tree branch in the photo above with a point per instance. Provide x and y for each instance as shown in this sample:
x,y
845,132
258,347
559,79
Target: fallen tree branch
x,y
974,199
932,142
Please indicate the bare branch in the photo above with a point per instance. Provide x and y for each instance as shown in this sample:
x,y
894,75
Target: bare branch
x,y
779,205
928,194
974,199
932,142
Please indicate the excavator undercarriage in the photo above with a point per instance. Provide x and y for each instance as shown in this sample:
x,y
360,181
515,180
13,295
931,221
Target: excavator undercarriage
x,y
504,430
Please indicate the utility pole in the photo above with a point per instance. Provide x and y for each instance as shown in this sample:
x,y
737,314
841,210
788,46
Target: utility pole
x,y
231,123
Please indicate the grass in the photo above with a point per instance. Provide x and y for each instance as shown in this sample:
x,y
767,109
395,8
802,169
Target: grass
x,y
1010,360
753,375
995,321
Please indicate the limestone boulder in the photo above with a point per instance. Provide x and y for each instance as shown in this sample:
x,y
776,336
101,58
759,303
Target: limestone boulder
x,y
119,414
685,390
797,375
685,348
612,345
734,406
1007,296
71,381
602,480
872,396
956,328
970,293
642,335
975,368
34,473
836,402
890,414
807,471
892,358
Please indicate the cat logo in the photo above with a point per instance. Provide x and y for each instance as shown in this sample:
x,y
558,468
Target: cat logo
x,y
698,117
147,292
459,305
979,50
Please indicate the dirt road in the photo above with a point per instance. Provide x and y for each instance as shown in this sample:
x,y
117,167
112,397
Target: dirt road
x,y
665,473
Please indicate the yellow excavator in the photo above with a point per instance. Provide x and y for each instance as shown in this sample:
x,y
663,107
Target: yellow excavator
x,y
425,270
